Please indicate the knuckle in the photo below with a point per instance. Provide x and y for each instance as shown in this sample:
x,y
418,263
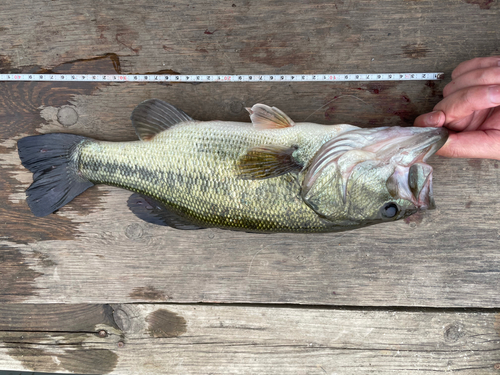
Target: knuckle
x,y
488,75
483,77
468,97
455,72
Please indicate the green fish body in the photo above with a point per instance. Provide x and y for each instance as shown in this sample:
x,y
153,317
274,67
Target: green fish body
x,y
271,175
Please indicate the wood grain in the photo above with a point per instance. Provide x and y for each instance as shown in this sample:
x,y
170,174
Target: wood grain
x,y
225,37
433,260
155,339
95,250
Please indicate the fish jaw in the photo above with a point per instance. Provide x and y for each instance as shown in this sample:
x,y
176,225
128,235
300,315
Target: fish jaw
x,y
425,200
413,184
412,177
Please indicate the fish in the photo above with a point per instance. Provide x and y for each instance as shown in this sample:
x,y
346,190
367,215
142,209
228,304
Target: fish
x,y
268,175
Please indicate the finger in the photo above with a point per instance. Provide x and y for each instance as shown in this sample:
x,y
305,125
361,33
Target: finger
x,y
476,144
477,63
474,122
476,77
465,102
493,120
434,119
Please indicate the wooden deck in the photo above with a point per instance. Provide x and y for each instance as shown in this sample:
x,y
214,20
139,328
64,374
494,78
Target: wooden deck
x,y
93,290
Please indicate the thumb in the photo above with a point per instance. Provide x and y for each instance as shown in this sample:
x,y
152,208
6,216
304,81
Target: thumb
x,y
434,119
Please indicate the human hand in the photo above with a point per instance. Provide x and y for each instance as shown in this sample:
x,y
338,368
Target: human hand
x,y
470,109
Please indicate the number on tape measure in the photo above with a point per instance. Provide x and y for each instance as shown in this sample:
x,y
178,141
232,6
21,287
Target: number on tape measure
x,y
222,78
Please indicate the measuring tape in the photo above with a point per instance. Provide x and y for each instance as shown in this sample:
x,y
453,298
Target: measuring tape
x,y
221,78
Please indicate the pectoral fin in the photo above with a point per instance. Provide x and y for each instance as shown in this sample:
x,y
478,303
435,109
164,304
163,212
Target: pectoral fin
x,y
265,117
267,162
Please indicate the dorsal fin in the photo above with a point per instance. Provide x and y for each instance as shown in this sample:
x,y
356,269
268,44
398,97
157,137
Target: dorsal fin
x,y
154,116
265,117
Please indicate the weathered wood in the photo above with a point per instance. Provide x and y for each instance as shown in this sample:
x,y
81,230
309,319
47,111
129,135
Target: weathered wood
x,y
448,257
231,36
95,250
158,339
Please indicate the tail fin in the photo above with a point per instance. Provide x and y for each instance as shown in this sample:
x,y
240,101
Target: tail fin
x,y
56,181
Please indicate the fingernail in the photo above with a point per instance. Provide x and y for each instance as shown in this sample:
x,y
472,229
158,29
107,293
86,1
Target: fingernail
x,y
494,94
432,119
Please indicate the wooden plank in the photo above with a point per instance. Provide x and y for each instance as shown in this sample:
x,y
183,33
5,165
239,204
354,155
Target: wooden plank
x,y
194,339
227,37
433,260
448,257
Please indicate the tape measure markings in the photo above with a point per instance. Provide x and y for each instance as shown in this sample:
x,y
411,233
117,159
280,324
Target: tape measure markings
x,y
222,78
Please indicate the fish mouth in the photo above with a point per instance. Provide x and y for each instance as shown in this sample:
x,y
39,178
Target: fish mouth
x,y
420,183
407,149
425,198
420,173
412,177
413,184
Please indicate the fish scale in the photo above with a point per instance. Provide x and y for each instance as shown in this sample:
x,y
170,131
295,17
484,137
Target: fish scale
x,y
207,163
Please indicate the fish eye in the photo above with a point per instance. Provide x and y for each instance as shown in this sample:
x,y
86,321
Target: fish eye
x,y
389,210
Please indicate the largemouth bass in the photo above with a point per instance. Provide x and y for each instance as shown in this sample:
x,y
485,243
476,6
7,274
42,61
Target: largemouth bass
x,y
270,175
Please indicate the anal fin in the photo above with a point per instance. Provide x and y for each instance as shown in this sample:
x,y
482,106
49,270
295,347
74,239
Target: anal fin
x,y
154,212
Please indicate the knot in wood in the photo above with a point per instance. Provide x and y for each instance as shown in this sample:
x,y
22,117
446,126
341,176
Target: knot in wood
x,y
134,231
454,332
67,116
